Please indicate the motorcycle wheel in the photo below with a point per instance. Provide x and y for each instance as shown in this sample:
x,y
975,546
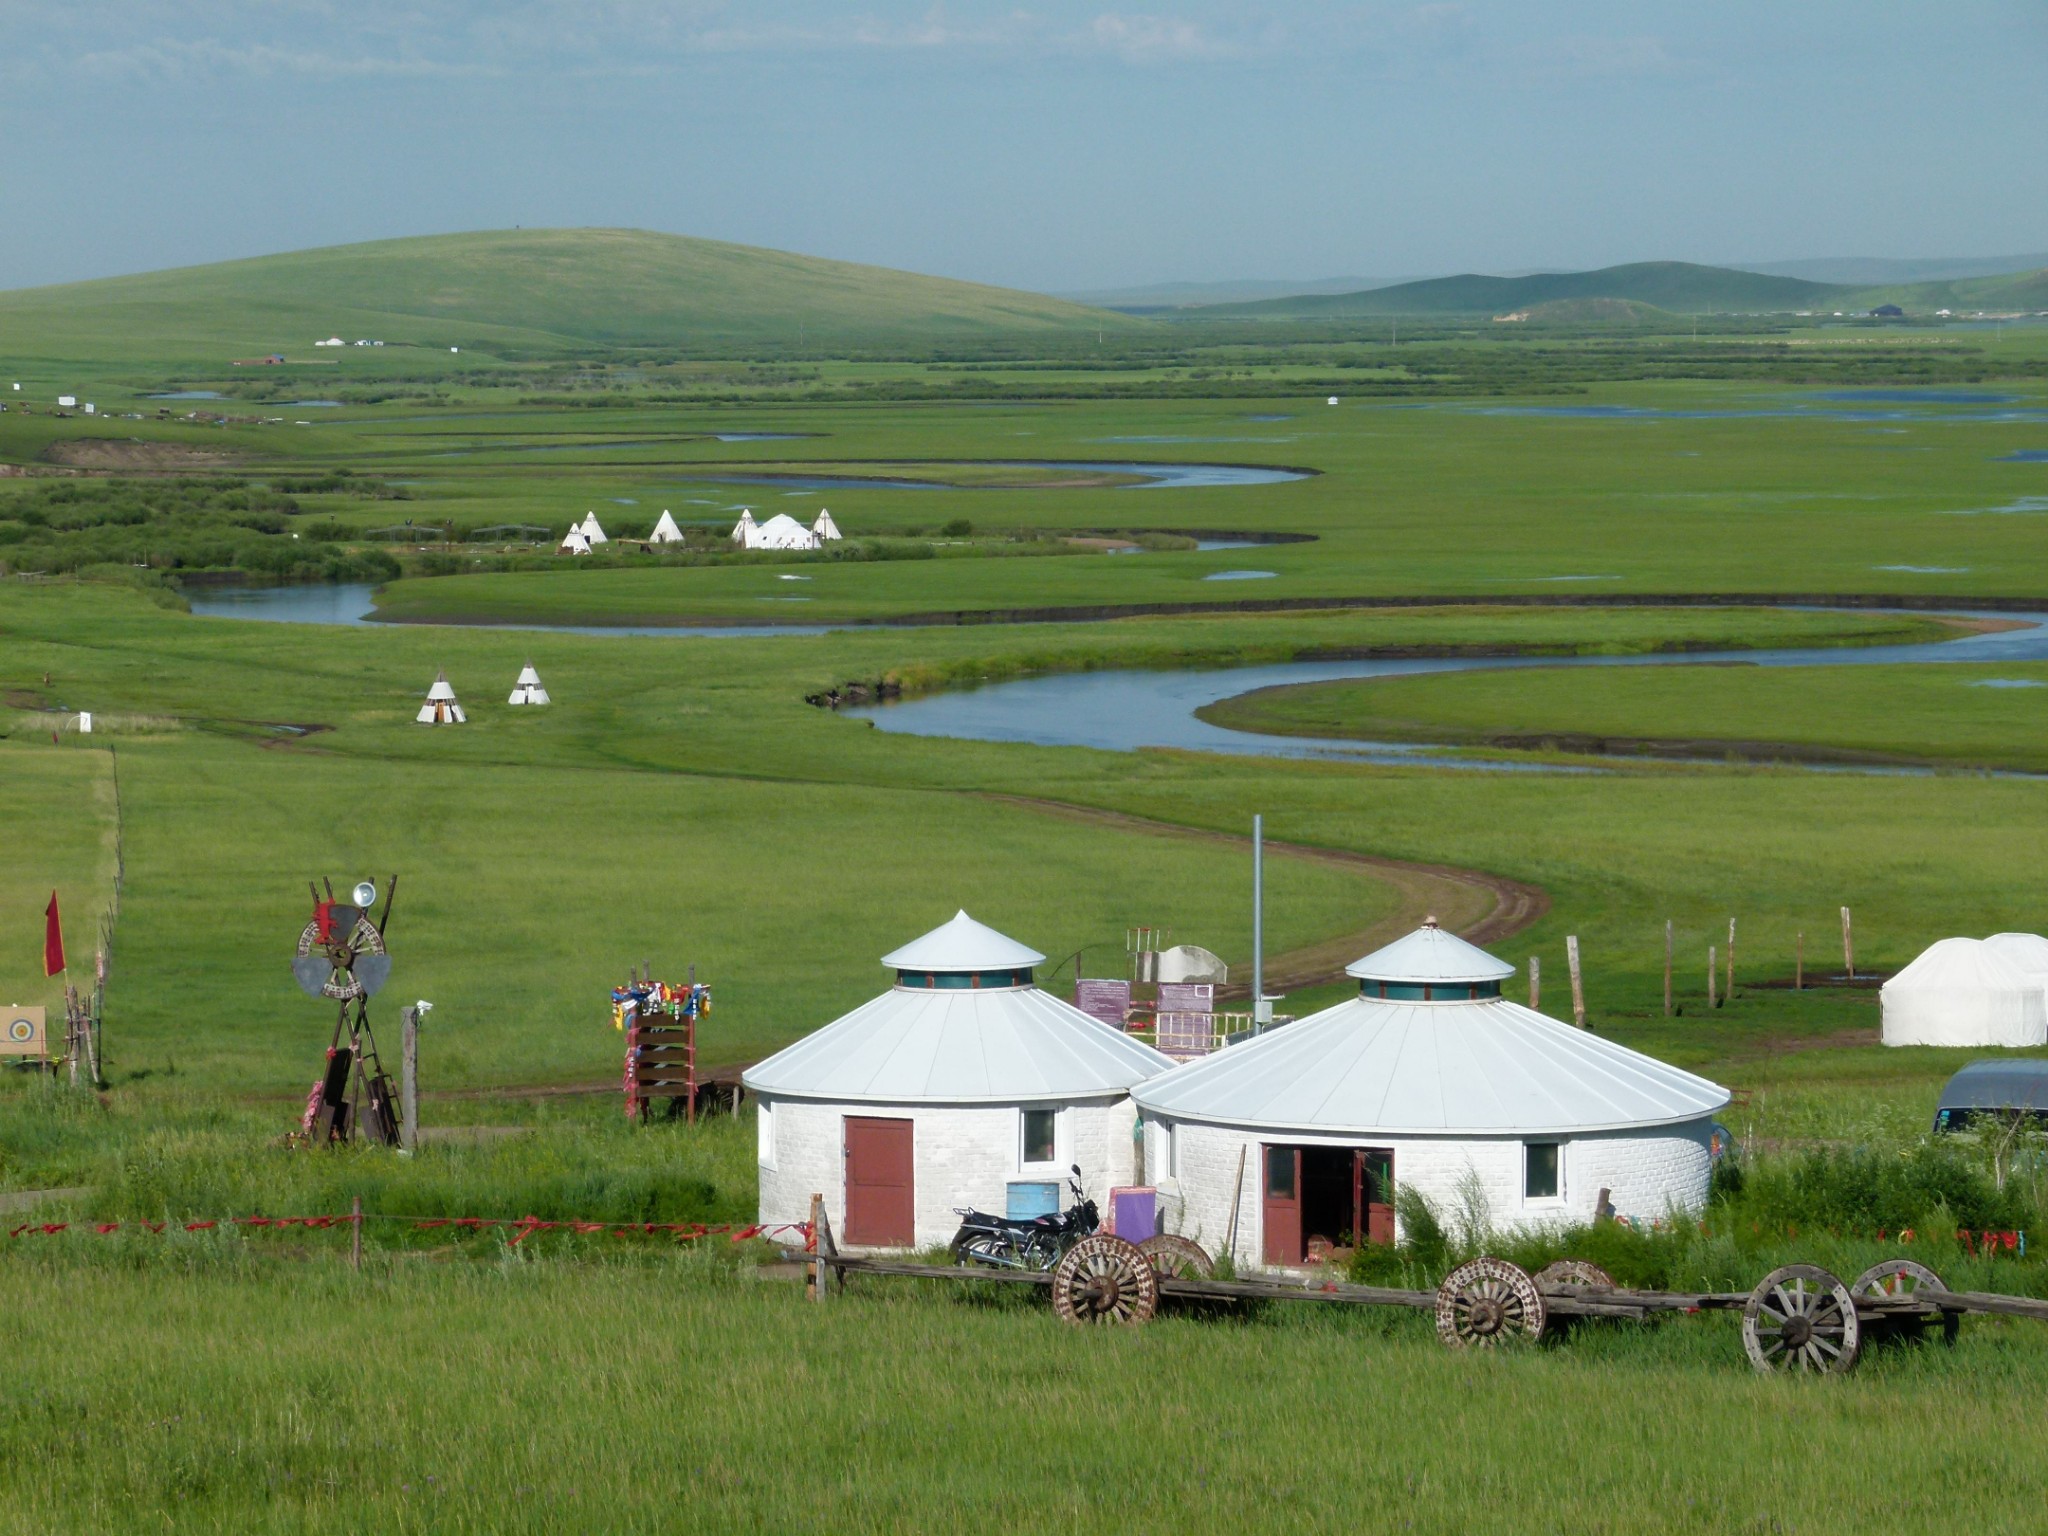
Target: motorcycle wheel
x,y
1043,1253
982,1248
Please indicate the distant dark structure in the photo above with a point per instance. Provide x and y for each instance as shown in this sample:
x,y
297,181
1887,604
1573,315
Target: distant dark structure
x,y
1889,312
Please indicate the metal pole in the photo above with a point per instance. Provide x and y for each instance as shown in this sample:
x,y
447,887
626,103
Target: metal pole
x,y
1259,1014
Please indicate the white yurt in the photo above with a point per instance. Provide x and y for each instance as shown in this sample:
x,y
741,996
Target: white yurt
x,y
824,528
665,530
959,1081
783,532
573,543
590,530
1964,992
528,689
1428,1078
441,707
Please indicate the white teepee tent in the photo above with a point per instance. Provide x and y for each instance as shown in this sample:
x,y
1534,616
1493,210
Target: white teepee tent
x,y
746,532
590,529
573,543
666,531
824,528
441,707
528,689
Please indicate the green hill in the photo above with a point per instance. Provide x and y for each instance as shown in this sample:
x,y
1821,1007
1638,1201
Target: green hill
x,y
1675,286
543,289
2027,291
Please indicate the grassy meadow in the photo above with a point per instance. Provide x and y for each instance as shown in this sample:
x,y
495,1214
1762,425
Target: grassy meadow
x,y
681,803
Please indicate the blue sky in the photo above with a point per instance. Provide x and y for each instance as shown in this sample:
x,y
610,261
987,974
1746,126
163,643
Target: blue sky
x,y
1046,145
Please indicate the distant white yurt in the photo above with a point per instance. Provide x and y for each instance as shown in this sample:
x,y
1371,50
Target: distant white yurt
x,y
441,707
1963,992
784,532
959,1081
528,689
1428,1079
665,531
824,528
573,543
591,531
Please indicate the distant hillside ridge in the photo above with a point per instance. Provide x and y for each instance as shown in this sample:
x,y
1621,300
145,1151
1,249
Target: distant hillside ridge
x,y
1677,286
531,288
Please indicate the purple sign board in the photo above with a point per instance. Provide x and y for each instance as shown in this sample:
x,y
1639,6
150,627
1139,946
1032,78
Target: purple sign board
x,y
1106,1001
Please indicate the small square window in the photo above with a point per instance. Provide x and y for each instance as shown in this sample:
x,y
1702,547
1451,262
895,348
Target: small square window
x,y
1542,1169
1038,1135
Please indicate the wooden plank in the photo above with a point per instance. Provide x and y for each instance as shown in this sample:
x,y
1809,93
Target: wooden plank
x,y
937,1271
1986,1301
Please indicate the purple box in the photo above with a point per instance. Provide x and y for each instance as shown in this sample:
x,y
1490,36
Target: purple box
x,y
1134,1212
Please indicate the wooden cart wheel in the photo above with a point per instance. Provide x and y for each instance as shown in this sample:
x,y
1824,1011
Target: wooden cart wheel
x,y
1575,1272
1104,1279
1177,1257
1898,1279
1488,1302
1801,1318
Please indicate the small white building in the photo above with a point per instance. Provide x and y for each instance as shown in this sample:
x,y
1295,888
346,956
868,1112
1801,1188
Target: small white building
x,y
665,530
528,689
441,707
1965,992
590,530
573,542
959,1080
824,528
1428,1078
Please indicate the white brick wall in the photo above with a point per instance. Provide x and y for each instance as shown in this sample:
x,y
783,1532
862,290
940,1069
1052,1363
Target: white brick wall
x,y
1647,1174
961,1155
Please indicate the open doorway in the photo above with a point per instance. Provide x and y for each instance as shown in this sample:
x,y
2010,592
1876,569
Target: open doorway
x,y
1343,1195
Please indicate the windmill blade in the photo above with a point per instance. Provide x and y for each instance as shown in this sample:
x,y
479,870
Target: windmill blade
x,y
371,972
312,972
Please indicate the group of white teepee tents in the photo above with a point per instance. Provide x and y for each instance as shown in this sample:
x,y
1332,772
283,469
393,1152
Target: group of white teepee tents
x,y
783,531
585,536
443,708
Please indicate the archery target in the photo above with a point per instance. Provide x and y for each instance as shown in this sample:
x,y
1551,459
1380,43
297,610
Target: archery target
x,y
21,1032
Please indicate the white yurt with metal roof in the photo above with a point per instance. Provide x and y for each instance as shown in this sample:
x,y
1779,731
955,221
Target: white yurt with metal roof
x,y
959,1081
1428,1078
1964,992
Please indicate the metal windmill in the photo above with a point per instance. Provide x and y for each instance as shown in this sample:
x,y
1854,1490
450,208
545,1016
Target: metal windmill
x,y
341,957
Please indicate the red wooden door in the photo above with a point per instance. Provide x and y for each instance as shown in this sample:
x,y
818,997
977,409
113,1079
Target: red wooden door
x,y
1375,1181
881,1209
1280,1204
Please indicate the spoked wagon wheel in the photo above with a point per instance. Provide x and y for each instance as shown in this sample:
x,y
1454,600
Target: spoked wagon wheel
x,y
1488,1302
1177,1258
1574,1272
1904,1280
1801,1318
1104,1279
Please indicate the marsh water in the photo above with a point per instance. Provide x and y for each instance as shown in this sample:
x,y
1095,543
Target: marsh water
x,y
1130,710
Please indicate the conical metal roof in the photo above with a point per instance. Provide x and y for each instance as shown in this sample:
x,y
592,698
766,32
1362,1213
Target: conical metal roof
x,y
962,945
1430,955
1006,1045
1369,1067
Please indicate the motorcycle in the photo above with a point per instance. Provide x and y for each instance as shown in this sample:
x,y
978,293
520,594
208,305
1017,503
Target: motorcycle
x,y
1024,1242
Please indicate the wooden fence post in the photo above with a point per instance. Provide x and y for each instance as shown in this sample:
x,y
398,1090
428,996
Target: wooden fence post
x,y
1236,1195
1535,983
1667,967
355,1237
1729,991
1848,945
814,1283
1799,962
1571,959
1713,975
409,1079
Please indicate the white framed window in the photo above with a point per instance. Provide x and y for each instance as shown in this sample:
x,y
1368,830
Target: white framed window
x,y
1542,1171
764,1133
1038,1137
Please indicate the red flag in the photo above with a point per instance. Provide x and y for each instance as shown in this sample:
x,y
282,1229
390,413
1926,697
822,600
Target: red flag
x,y
53,939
